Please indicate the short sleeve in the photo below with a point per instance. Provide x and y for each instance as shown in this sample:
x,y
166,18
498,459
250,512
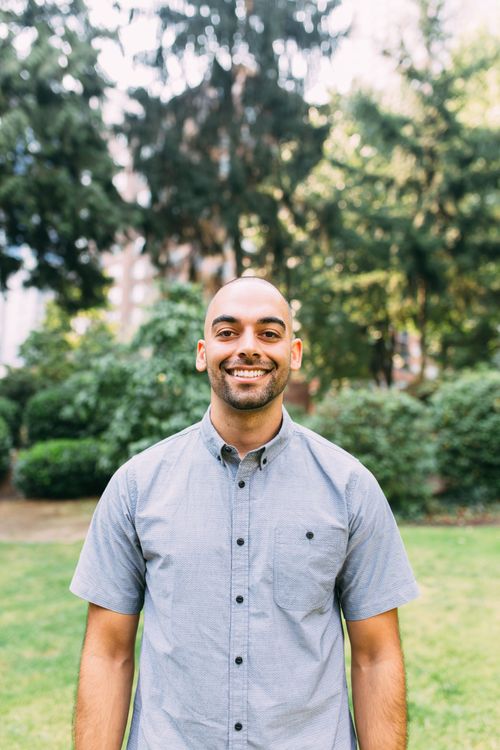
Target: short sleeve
x,y
111,568
376,575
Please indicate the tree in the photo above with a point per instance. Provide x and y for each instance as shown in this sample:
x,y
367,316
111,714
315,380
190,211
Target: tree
x,y
163,393
344,273
415,197
223,156
57,197
63,345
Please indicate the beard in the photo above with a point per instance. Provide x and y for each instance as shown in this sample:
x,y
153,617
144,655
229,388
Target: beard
x,y
246,397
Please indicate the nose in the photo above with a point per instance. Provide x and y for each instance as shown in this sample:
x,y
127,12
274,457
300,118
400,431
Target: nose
x,y
248,344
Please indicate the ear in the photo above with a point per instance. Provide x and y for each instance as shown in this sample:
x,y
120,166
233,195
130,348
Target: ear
x,y
201,361
296,354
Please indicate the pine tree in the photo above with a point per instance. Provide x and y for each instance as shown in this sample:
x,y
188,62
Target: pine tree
x,y
223,156
412,210
445,173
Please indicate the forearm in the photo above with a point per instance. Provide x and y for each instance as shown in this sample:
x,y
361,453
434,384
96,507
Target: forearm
x,y
103,701
379,698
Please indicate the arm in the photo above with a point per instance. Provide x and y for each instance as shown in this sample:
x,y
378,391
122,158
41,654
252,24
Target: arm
x,y
378,682
105,683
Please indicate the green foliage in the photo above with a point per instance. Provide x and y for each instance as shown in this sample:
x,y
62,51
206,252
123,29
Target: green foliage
x,y
222,158
347,323
132,396
18,385
174,326
466,418
98,392
163,393
47,416
81,365
157,402
389,433
81,406
60,469
46,352
10,413
59,348
5,446
56,188
400,219
95,344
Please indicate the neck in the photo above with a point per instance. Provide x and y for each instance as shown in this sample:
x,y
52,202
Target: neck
x,y
246,430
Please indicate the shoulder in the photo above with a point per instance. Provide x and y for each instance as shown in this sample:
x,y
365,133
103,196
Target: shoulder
x,y
168,447
322,447
344,469
158,458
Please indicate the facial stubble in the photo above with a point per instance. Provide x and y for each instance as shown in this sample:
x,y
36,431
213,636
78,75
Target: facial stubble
x,y
241,396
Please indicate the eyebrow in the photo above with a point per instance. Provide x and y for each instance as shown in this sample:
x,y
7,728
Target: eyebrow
x,y
261,321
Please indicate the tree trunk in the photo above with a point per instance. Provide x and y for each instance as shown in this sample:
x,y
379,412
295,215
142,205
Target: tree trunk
x,y
382,366
422,326
238,255
192,261
389,359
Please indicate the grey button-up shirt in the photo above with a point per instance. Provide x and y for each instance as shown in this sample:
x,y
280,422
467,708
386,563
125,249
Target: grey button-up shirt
x,y
243,568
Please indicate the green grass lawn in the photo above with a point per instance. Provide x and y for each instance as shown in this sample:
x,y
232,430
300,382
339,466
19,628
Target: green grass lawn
x,y
448,634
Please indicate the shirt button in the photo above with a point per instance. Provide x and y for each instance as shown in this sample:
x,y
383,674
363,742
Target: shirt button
x,y
238,726
309,535
239,660
240,541
239,599
264,460
241,483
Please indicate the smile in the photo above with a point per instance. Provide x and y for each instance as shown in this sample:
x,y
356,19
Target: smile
x,y
247,374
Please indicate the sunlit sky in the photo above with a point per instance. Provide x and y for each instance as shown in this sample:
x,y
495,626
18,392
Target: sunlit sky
x,y
374,25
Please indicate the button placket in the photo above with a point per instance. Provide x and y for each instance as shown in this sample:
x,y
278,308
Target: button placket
x,y
238,676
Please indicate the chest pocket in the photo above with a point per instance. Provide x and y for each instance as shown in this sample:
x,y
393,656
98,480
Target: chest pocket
x,y
306,563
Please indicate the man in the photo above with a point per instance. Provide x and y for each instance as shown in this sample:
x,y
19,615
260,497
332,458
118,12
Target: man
x,y
243,537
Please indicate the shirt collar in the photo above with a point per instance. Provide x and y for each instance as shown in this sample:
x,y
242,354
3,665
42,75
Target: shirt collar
x,y
219,448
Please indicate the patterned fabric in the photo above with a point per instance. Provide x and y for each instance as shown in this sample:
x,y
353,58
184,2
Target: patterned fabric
x,y
242,568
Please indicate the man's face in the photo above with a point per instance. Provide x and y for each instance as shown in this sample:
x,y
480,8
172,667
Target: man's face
x,y
248,350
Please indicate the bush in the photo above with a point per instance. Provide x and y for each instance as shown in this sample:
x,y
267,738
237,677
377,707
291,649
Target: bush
x,y
60,469
98,392
466,418
163,393
10,413
82,406
19,385
157,401
5,446
49,414
389,432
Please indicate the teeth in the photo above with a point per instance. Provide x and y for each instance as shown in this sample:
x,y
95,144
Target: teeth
x,y
248,373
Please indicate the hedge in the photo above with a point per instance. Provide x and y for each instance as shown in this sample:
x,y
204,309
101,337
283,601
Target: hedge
x,y
11,414
5,446
466,418
389,432
60,469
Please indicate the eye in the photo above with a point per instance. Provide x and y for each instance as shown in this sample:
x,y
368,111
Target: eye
x,y
271,335
225,333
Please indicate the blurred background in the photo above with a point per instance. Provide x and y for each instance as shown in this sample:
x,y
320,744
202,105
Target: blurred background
x,y
347,151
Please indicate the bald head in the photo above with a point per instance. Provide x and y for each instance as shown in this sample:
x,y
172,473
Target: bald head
x,y
254,291
249,350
